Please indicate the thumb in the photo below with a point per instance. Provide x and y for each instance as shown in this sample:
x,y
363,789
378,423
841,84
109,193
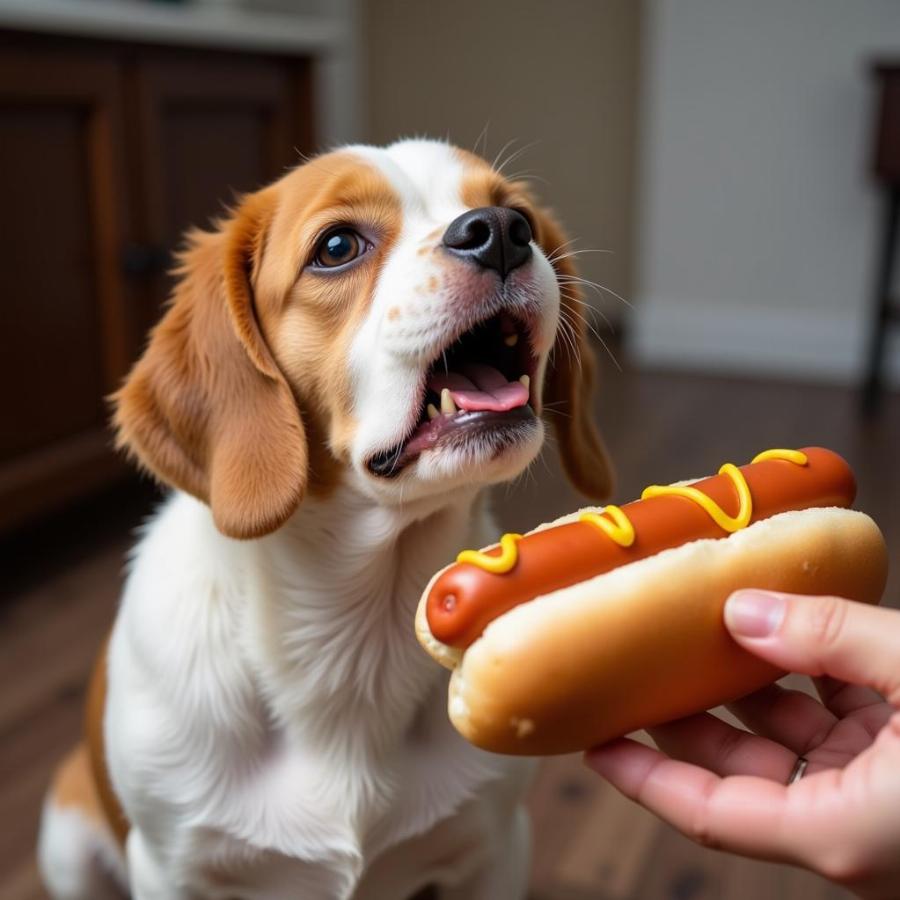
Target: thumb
x,y
850,641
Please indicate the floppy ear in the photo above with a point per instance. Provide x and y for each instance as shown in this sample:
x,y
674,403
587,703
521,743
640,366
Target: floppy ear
x,y
206,408
568,384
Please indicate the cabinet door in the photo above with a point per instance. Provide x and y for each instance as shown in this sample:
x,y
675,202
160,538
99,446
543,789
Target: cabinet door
x,y
206,129
63,328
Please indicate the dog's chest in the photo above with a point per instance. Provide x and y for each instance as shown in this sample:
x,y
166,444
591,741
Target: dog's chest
x,y
356,755
303,732
362,709
323,820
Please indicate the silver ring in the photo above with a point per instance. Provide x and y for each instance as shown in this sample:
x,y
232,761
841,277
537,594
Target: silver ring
x,y
799,769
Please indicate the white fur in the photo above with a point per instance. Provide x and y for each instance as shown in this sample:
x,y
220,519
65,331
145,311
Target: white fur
x,y
273,729
272,720
77,859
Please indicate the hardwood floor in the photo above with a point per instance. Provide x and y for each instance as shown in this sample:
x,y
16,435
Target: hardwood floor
x,y
61,583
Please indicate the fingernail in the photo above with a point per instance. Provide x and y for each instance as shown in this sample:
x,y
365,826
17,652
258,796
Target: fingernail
x,y
753,613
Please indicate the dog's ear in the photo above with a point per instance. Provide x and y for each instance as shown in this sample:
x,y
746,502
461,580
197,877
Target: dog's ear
x,y
568,384
206,408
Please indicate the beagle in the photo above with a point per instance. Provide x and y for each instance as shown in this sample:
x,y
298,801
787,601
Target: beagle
x,y
348,360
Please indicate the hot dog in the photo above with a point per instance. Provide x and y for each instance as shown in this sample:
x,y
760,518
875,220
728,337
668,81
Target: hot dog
x,y
650,578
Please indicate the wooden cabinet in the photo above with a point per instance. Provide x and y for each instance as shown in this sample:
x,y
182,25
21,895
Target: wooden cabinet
x,y
108,153
208,130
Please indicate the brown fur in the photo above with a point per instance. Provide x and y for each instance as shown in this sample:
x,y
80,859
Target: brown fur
x,y
206,408
74,787
82,779
95,752
250,339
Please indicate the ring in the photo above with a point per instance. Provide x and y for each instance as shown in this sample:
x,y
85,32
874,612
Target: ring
x,y
798,770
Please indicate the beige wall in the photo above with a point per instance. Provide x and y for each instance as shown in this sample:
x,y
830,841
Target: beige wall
x,y
759,219
560,73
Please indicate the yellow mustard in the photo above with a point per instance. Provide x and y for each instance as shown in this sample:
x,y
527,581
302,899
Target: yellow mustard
x,y
709,506
794,456
615,524
509,554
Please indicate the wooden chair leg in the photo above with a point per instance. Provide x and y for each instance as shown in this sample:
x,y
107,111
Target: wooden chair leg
x,y
872,389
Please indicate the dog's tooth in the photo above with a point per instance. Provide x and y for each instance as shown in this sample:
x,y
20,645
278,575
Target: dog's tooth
x,y
526,381
448,407
511,340
432,411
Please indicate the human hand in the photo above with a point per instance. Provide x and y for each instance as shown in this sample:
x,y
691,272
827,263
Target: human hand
x,y
728,789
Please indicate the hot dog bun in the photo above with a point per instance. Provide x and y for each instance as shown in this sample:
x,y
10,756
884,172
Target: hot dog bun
x,y
645,643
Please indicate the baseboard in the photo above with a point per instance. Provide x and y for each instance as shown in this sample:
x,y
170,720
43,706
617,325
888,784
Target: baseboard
x,y
762,341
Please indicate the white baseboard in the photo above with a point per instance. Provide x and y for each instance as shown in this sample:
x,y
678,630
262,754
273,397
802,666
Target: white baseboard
x,y
762,341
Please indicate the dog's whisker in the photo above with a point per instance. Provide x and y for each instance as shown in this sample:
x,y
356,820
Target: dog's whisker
x,y
597,334
557,412
593,285
502,150
513,156
552,255
567,333
591,310
573,253
483,135
527,175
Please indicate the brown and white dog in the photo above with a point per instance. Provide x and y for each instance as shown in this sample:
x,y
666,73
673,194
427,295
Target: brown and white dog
x,y
355,353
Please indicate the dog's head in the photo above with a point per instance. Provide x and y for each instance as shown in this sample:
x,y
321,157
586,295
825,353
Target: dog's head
x,y
391,316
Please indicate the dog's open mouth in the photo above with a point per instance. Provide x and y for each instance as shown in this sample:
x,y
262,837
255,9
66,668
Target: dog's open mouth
x,y
476,390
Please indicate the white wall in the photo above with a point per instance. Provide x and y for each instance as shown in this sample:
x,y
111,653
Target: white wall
x,y
758,220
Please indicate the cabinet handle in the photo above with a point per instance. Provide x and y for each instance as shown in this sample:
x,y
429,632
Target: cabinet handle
x,y
144,260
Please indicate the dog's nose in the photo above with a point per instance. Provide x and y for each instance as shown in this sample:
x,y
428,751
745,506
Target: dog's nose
x,y
495,237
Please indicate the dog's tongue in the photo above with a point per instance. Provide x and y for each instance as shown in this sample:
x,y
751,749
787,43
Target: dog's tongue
x,y
477,387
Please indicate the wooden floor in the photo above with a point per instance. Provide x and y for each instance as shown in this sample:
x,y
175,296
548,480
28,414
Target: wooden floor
x,y
61,581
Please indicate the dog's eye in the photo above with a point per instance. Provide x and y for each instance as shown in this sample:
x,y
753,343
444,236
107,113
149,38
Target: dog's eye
x,y
338,248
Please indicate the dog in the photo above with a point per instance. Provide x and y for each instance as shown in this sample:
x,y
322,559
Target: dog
x,y
349,359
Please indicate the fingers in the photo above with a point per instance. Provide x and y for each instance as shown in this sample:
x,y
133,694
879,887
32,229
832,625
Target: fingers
x,y
820,636
842,698
742,814
707,741
791,718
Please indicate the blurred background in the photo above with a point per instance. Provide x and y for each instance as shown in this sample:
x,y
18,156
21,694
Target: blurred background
x,y
731,169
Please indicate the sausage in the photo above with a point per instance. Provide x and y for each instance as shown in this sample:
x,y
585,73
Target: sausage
x,y
466,598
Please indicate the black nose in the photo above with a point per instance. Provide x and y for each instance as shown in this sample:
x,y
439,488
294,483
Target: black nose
x,y
495,237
